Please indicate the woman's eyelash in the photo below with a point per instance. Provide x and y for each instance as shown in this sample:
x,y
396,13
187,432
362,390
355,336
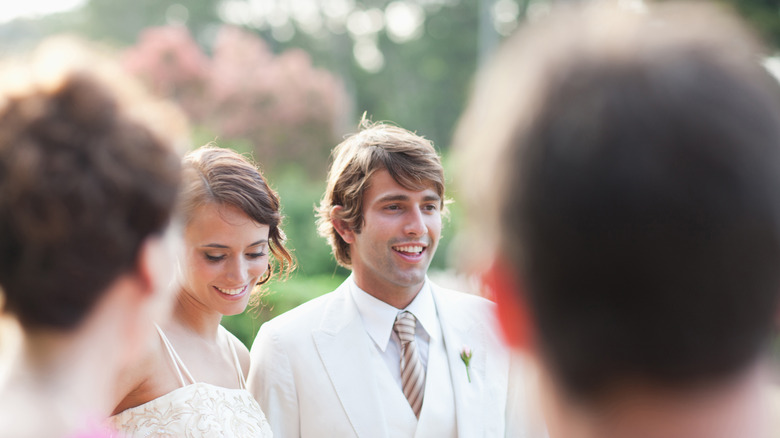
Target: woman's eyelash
x,y
251,255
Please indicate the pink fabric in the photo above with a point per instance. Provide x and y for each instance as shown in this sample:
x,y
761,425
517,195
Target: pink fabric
x,y
92,434
95,430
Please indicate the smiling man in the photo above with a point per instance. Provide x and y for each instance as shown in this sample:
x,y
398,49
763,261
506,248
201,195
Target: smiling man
x,y
381,356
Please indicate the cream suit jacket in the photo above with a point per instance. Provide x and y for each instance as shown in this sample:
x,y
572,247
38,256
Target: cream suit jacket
x,y
309,371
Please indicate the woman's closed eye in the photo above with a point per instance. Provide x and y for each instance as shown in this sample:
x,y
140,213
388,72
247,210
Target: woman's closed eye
x,y
215,258
255,255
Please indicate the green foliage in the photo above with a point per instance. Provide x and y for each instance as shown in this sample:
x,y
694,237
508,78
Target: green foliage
x,y
120,22
424,83
763,15
452,223
280,297
299,193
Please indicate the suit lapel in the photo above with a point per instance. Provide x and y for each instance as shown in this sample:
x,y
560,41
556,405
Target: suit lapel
x,y
346,352
459,329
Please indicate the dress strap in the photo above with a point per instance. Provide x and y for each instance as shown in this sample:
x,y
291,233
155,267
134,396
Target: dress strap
x,y
241,380
177,362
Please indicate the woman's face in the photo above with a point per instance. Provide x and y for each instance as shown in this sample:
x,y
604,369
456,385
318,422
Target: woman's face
x,y
225,254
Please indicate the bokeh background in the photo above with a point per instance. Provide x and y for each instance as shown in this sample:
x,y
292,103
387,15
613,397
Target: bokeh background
x,y
285,80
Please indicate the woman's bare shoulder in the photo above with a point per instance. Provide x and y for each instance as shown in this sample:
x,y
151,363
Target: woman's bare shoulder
x,y
147,378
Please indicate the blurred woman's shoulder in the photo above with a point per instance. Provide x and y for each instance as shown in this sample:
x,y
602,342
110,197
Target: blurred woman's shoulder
x,y
153,375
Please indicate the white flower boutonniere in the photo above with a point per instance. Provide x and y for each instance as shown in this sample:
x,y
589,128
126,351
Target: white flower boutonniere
x,y
465,356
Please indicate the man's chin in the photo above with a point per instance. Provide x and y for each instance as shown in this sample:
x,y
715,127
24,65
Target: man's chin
x,y
410,280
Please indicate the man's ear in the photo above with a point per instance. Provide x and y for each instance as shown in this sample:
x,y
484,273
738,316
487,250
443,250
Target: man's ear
x,y
156,267
512,307
144,269
340,225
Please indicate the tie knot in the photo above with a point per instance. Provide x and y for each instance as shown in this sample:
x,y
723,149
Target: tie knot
x,y
404,326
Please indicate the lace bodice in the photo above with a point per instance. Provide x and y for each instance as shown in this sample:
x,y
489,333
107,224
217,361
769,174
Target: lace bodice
x,y
199,410
195,410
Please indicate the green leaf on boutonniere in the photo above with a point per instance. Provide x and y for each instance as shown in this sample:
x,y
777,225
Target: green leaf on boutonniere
x,y
465,356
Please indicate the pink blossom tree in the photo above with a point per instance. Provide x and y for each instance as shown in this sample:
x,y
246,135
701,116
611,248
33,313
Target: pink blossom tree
x,y
284,107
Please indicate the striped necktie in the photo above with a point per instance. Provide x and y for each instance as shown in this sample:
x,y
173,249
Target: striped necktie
x,y
412,372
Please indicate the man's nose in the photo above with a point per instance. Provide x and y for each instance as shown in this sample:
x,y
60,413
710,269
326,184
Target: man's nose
x,y
415,224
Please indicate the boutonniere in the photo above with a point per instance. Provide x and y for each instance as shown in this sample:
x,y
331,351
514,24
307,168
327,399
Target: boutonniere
x,y
465,356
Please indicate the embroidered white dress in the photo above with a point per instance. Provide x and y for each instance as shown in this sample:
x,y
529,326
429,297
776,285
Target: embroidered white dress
x,y
196,409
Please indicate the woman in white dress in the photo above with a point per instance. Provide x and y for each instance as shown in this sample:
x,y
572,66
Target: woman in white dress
x,y
192,382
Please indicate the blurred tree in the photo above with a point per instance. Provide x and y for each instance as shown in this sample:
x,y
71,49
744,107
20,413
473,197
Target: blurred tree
x,y
764,15
283,107
172,65
429,77
409,62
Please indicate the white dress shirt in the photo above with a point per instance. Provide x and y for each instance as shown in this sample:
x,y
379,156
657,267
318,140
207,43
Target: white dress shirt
x,y
379,317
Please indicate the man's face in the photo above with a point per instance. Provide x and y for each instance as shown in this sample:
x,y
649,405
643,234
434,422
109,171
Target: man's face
x,y
401,229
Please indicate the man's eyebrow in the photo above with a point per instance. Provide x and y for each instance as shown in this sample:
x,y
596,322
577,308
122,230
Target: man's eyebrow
x,y
393,198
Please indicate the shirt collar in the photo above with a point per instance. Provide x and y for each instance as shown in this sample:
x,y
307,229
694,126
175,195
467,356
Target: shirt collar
x,y
378,317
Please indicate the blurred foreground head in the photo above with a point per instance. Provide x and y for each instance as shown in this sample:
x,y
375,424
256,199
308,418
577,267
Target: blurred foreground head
x,y
627,171
88,173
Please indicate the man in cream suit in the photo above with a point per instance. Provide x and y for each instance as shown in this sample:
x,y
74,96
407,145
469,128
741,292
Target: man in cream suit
x,y
388,353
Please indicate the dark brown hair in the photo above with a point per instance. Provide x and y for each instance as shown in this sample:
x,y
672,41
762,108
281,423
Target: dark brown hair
x,y
83,182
